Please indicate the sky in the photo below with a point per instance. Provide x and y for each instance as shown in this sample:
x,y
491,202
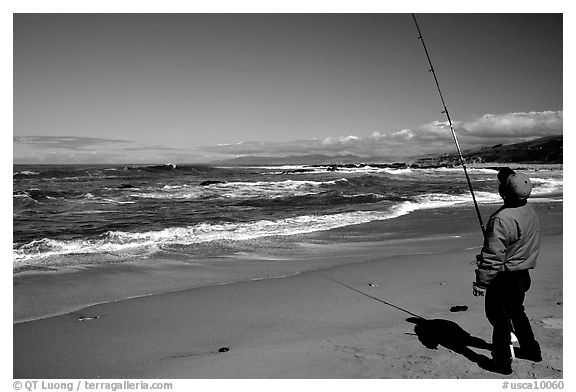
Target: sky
x,y
191,88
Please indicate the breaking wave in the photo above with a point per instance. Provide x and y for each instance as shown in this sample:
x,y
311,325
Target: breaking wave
x,y
239,189
126,243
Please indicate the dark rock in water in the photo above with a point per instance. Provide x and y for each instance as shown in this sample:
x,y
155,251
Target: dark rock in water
x,y
152,168
399,165
431,166
36,194
210,182
297,171
332,168
223,349
125,186
459,308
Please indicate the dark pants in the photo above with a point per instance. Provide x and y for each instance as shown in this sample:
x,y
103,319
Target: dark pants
x,y
505,311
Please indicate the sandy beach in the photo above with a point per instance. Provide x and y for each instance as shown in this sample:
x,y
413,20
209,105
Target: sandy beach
x,y
278,192
376,309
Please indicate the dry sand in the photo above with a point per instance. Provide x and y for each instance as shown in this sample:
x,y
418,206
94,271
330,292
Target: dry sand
x,y
309,325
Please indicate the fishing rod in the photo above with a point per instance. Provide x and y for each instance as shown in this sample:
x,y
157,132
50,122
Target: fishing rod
x,y
445,111
513,337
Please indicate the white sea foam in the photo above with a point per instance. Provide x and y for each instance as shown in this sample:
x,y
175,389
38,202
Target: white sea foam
x,y
103,200
239,189
541,186
438,200
122,242
372,170
25,197
281,167
459,169
367,169
130,242
113,201
26,173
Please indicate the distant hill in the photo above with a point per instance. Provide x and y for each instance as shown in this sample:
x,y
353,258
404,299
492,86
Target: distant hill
x,y
547,149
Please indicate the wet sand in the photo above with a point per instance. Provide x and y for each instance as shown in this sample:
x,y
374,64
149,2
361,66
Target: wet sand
x,y
308,325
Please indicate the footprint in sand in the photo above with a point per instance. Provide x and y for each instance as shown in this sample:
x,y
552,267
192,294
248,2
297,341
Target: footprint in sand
x,y
552,323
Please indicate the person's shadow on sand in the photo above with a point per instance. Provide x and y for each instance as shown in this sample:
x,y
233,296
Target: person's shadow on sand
x,y
435,332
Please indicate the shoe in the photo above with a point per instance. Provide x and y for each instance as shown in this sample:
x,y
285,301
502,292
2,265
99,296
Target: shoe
x,y
501,364
502,367
533,355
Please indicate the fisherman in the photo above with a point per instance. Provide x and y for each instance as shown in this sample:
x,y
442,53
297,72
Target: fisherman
x,y
511,247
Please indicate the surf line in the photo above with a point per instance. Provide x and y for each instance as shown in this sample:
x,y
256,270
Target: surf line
x,y
445,111
371,296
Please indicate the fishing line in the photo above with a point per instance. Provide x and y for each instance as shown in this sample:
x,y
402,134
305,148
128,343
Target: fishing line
x,y
372,297
445,111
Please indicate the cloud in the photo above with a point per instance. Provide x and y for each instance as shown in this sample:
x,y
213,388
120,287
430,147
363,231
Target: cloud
x,y
65,142
515,125
78,149
341,140
487,129
434,137
153,148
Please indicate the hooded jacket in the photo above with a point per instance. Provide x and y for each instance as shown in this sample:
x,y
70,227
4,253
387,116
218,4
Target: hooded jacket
x,y
511,243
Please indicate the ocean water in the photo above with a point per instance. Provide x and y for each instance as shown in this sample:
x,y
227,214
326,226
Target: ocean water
x,y
82,215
